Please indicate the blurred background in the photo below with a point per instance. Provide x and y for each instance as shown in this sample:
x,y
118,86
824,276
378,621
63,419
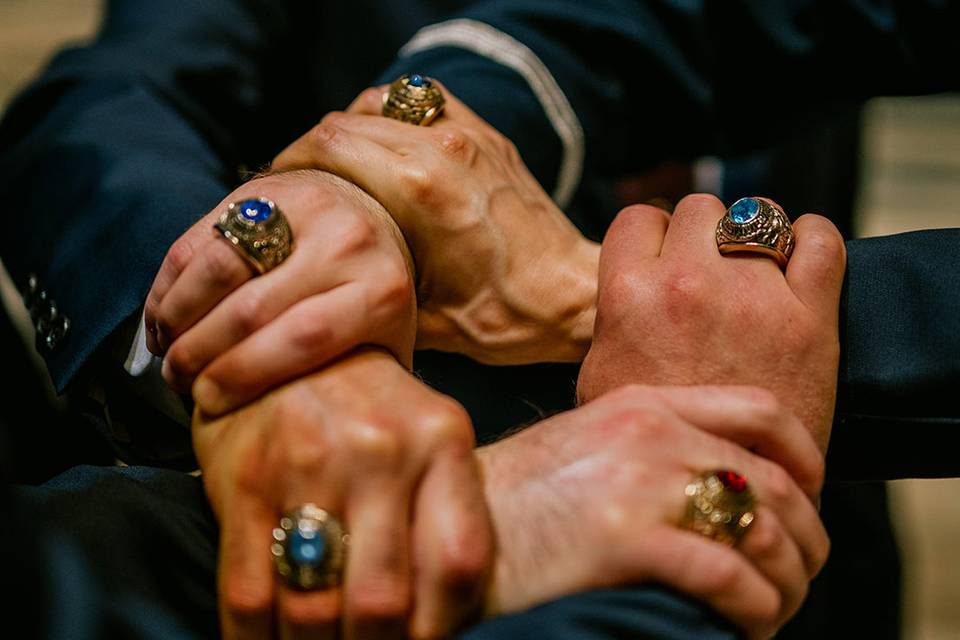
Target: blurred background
x,y
910,179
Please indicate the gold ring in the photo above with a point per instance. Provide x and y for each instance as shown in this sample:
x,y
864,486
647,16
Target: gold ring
x,y
259,232
413,98
759,226
719,506
309,548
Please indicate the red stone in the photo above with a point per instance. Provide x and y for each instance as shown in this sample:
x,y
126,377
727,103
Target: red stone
x,y
732,481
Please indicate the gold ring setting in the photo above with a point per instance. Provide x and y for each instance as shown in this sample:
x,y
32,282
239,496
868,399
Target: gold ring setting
x,y
413,98
259,232
309,548
756,225
720,506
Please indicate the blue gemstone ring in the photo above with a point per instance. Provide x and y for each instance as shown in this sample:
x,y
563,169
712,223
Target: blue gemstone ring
x,y
757,225
259,232
413,98
309,548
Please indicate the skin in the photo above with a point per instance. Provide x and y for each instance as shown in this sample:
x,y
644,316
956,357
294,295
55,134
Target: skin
x,y
593,497
470,211
617,465
393,461
673,310
232,336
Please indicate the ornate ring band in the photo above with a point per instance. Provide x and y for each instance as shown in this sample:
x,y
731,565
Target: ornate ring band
x,y
719,506
413,98
759,226
309,548
259,232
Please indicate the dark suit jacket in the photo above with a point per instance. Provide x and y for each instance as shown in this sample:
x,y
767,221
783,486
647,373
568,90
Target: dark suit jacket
x,y
121,145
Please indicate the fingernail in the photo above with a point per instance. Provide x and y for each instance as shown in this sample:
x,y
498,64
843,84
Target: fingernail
x,y
207,395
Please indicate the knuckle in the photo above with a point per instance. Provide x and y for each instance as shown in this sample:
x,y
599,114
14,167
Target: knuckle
x,y
620,290
766,537
309,612
778,484
371,99
395,288
417,182
181,360
465,559
458,146
764,403
314,331
373,439
221,264
179,254
386,598
244,598
824,241
697,202
355,234
684,292
323,134
645,426
251,313
445,420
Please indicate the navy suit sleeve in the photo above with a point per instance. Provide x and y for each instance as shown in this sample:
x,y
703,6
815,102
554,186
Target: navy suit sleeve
x,y
898,409
650,80
121,145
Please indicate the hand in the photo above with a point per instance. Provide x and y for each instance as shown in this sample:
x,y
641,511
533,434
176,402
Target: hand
x,y
502,275
392,460
673,310
592,498
348,282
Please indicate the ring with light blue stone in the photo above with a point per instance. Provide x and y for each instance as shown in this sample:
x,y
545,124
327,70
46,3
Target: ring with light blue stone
x,y
259,231
413,98
757,225
309,548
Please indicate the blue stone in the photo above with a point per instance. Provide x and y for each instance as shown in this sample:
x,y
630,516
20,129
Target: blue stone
x,y
744,210
306,547
256,210
417,80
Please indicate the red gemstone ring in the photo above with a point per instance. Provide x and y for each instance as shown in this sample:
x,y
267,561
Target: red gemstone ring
x,y
719,506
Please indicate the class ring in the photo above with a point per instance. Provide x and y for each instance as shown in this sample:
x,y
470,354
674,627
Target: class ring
x,y
757,225
413,98
259,231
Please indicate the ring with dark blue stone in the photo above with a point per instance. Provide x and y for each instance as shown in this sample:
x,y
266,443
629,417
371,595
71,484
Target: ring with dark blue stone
x,y
308,548
413,98
258,230
756,225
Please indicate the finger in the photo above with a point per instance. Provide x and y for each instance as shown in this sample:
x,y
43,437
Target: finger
x,y
377,592
815,271
309,615
773,488
245,575
215,271
775,554
637,232
246,310
754,419
174,262
304,337
453,546
693,227
715,574
369,102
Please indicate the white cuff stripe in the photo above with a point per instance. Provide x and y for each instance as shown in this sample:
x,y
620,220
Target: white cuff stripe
x,y
484,40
